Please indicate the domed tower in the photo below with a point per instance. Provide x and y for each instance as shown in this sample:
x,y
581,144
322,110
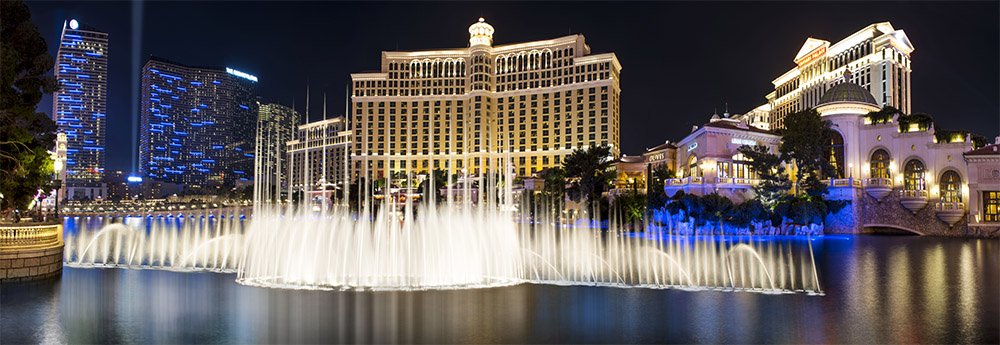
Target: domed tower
x,y
845,106
481,49
481,33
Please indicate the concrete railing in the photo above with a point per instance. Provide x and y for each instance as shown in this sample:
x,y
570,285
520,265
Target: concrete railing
x,y
686,180
843,182
878,181
30,251
27,236
949,206
913,193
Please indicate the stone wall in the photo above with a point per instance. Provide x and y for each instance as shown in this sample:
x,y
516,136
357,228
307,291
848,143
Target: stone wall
x,y
30,264
891,212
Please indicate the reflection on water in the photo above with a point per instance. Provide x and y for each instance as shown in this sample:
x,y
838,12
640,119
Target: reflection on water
x,y
878,290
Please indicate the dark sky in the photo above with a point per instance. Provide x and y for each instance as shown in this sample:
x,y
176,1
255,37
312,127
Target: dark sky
x,y
679,60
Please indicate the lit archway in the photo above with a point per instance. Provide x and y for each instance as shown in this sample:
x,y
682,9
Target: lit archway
x,y
836,156
880,164
913,175
951,187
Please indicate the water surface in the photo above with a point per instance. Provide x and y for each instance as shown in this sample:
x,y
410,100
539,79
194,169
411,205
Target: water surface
x,y
878,289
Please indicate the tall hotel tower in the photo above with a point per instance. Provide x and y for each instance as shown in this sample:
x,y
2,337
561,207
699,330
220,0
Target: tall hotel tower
x,y
460,109
275,127
197,124
878,57
80,105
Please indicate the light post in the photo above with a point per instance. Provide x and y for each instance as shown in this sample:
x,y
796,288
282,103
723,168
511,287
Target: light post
x,y
58,166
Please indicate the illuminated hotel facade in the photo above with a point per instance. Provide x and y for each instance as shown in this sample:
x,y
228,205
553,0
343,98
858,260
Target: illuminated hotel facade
x,y
460,109
79,107
317,157
197,124
877,56
275,127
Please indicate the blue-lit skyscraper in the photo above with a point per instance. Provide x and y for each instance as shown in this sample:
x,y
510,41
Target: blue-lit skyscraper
x,y
79,107
197,124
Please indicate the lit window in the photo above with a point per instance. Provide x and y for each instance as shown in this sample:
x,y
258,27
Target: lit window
x,y
991,206
951,187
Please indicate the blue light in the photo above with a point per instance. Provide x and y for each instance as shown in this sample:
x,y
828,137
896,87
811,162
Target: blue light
x,y
203,106
196,83
216,82
197,153
216,146
248,155
180,133
244,107
135,179
182,89
208,161
93,54
239,172
84,76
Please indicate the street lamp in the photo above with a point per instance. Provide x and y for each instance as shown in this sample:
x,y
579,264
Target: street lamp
x,y
58,166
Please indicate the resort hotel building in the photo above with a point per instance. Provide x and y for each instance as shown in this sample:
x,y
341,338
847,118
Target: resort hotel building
x,y
877,56
461,109
197,124
79,107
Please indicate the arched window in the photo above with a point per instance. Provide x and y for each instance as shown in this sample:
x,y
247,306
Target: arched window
x,y
693,167
951,187
836,156
913,175
880,164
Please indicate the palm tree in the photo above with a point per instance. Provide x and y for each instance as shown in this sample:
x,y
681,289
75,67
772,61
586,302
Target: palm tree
x,y
587,169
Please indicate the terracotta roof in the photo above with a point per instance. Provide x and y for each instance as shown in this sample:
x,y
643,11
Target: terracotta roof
x,y
662,146
991,149
631,159
729,125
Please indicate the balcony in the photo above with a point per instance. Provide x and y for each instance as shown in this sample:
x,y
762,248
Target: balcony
x,y
913,200
878,188
739,181
950,212
685,181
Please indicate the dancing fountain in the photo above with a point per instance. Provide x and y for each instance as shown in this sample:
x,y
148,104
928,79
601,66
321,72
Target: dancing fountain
x,y
452,245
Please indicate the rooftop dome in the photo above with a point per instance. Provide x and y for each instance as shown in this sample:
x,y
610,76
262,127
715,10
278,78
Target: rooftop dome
x,y
847,91
481,33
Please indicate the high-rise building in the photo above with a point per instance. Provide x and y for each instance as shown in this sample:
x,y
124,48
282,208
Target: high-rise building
x,y
197,124
460,109
317,157
276,125
877,56
79,107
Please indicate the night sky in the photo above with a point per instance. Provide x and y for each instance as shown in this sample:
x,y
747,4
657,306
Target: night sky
x,y
680,61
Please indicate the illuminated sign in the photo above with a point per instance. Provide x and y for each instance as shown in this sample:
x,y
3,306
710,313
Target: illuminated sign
x,y
135,179
692,147
812,56
241,74
742,142
73,24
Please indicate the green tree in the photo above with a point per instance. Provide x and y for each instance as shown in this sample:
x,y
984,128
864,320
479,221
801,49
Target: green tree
x,y
631,206
716,209
774,183
554,187
587,169
25,135
805,142
656,197
440,181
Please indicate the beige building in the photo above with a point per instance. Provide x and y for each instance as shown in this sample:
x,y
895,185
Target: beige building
x,y
462,109
316,157
878,57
